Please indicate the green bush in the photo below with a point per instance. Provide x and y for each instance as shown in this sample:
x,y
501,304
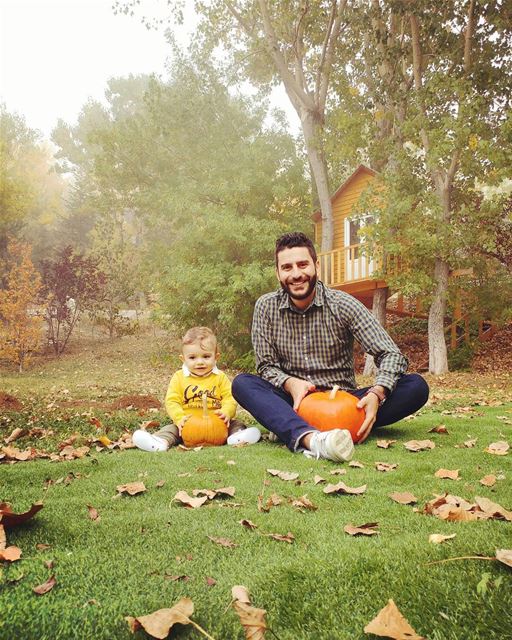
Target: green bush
x,y
459,359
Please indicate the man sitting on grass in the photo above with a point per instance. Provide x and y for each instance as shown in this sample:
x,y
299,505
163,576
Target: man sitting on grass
x,y
303,337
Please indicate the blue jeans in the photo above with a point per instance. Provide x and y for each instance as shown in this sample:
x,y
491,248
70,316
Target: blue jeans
x,y
273,406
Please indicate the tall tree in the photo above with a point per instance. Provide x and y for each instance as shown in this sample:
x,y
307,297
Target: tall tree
x,y
439,84
295,42
20,326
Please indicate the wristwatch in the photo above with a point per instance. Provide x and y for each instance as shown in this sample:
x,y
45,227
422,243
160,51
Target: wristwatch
x,y
381,395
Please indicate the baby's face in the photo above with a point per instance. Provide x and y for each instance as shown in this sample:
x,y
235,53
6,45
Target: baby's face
x,y
200,357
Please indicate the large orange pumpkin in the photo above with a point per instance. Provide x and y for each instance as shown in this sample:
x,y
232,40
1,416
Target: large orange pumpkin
x,y
204,429
333,409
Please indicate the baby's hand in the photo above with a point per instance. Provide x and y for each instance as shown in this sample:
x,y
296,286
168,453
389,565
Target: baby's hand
x,y
181,423
223,416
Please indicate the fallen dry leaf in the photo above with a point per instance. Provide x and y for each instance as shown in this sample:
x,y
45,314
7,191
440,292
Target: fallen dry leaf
x,y
403,497
15,434
10,519
159,484
12,453
284,475
341,488
488,481
10,554
273,501
439,538
368,529
505,556
419,445
499,448
132,488
252,619
448,474
385,444
289,537
493,509
439,429
159,623
384,466
356,464
189,501
3,538
304,503
248,524
41,546
223,542
182,578
468,444
93,513
390,623
210,582
318,479
45,587
338,472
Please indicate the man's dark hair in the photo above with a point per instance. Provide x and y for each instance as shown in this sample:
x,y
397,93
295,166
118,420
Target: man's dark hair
x,y
295,239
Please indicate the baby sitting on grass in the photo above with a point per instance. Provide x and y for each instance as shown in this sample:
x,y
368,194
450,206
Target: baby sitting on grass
x,y
198,378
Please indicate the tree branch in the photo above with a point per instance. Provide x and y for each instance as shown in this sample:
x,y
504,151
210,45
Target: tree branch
x,y
324,70
468,35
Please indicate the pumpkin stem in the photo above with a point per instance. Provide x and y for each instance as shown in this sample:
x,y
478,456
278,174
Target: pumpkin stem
x,y
332,395
205,404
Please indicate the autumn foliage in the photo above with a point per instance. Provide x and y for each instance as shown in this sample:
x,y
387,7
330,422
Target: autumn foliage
x,y
20,330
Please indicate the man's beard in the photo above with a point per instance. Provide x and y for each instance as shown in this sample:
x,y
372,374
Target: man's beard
x,y
301,296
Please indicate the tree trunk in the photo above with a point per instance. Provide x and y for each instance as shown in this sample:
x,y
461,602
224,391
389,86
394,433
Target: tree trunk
x,y
380,297
312,130
437,352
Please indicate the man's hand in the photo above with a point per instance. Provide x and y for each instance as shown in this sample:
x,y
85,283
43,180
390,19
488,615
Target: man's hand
x,y
223,416
298,389
370,404
181,423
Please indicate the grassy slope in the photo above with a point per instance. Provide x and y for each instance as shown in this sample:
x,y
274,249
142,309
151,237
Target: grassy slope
x,y
326,585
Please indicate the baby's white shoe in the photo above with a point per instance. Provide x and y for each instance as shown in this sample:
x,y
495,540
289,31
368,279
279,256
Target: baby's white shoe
x,y
251,435
148,442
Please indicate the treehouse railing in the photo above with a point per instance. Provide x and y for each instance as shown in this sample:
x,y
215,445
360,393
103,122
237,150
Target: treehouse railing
x,y
351,264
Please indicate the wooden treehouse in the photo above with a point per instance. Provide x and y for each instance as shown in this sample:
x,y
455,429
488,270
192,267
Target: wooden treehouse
x,y
352,268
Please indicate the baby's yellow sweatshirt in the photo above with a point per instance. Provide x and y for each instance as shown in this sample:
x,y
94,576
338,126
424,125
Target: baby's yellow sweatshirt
x,y
186,390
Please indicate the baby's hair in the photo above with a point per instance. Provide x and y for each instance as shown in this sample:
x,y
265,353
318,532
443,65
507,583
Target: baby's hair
x,y
201,335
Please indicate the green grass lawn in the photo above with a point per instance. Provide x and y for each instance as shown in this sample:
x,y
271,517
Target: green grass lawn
x,y
325,585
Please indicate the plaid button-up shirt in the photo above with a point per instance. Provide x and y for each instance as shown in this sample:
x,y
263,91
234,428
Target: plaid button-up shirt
x,y
317,344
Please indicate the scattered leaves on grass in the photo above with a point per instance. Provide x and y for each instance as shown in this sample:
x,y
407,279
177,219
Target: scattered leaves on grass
x,y
499,448
338,472
390,623
284,475
93,513
223,542
41,546
403,497
210,582
159,484
419,445
439,538
289,537
342,488
214,493
45,587
468,444
356,464
488,481
159,623
493,509
384,466
447,474
505,556
455,508
10,519
439,429
273,501
182,578
368,529
318,479
189,501
385,444
304,503
132,488
248,524
3,537
14,454
149,424
252,618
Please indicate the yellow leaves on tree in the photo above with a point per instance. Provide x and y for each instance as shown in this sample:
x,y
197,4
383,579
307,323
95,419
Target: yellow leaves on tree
x,y
20,329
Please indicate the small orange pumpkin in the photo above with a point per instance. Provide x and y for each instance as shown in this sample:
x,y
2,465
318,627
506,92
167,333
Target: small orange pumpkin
x,y
204,429
333,409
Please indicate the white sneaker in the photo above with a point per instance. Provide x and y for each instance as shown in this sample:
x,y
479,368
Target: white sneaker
x,y
334,445
148,442
251,435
